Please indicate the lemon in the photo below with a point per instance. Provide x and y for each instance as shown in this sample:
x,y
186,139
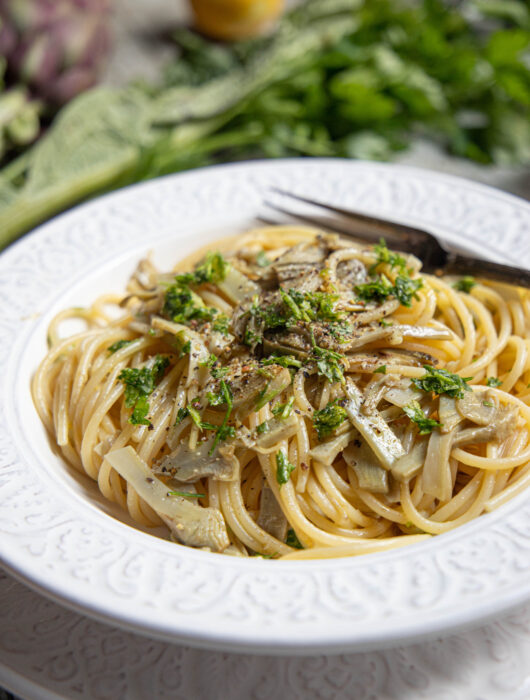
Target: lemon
x,y
235,19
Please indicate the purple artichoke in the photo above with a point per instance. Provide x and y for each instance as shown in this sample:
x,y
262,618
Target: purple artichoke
x,y
55,47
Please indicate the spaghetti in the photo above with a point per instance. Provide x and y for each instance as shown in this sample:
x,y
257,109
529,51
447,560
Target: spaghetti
x,y
297,397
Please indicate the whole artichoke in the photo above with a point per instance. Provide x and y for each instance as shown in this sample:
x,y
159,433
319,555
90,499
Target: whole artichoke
x,y
54,47
19,117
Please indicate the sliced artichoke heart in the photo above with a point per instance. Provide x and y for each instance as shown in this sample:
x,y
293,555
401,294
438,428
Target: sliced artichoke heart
x,y
189,522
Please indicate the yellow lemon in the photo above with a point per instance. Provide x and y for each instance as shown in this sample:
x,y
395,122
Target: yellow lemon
x,y
235,19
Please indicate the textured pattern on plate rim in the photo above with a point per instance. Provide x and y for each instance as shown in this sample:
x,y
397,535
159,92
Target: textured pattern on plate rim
x,y
74,658
99,565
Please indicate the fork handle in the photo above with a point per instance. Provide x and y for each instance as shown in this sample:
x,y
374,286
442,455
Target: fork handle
x,y
462,265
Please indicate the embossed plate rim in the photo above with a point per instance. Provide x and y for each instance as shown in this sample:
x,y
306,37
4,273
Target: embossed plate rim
x,y
274,629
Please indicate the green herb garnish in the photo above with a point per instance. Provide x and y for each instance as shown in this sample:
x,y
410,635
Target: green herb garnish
x,y
465,284
288,361
328,419
118,345
378,290
386,256
292,540
284,410
221,324
284,469
440,381
139,384
488,404
212,269
185,494
493,381
416,415
329,363
262,428
182,305
380,370
185,349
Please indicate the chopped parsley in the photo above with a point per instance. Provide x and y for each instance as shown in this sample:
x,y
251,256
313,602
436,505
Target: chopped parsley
x,y
440,381
284,410
185,494
221,324
182,305
224,396
328,419
406,288
139,384
384,323
416,415
284,469
263,428
262,260
379,289
386,256
212,269
380,370
489,404
292,540
329,363
210,362
288,361
185,349
493,381
118,345
465,284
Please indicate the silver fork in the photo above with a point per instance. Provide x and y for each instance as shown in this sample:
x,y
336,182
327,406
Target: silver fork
x,y
436,259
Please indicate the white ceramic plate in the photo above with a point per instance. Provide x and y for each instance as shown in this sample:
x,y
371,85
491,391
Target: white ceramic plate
x,y
57,534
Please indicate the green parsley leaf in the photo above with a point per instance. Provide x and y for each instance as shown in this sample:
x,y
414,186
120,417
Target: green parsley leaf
x,y
212,269
416,415
284,410
185,349
440,381
118,345
405,288
379,290
263,428
292,540
380,370
139,384
284,469
493,381
328,419
385,324
328,362
210,362
221,324
489,404
262,260
282,360
386,256
182,305
185,494
224,431
465,284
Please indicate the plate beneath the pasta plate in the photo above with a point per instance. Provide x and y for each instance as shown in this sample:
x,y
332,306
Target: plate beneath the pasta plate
x,y
59,536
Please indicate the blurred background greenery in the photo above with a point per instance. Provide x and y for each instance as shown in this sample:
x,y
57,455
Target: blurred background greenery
x,y
344,78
